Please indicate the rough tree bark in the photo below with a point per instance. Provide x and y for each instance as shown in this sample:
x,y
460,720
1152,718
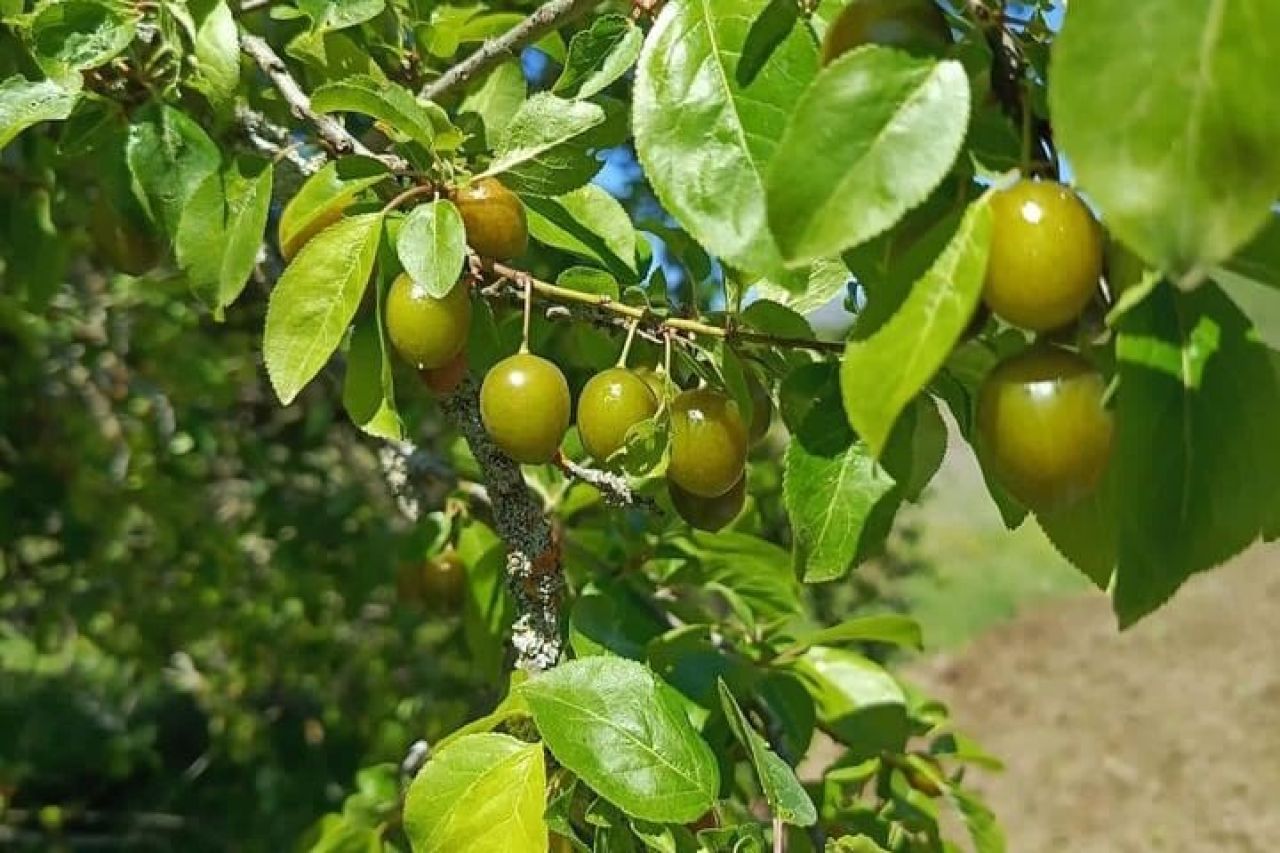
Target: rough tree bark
x,y
534,572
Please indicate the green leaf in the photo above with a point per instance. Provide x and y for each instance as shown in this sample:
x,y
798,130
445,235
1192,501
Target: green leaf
x,y
221,230
587,222
739,838
1199,466
320,201
336,834
589,280
873,136
542,151
840,500
984,829
1259,302
1085,532
881,628
705,141
24,103
624,733
829,498
338,14
853,844
331,56
611,621
481,792
787,798
645,451
664,839
367,391
169,155
733,379
1188,166
313,302
855,699
488,608
74,35
498,98
791,706
217,52
1252,280
1260,260
882,374
917,447
389,103
758,571
776,318
690,661
487,26
599,55
770,29
889,265
827,280
432,246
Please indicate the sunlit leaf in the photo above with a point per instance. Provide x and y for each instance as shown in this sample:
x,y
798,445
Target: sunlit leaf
x,y
432,246
313,302
389,103
542,150
24,103
481,792
706,141
620,729
873,136
1187,165
882,374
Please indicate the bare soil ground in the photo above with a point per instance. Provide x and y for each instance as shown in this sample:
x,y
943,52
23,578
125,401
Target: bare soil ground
x,y
1163,738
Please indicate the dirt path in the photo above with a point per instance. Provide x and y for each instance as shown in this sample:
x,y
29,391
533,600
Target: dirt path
x,y
1164,738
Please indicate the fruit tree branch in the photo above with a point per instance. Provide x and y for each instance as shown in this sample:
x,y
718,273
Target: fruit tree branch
x,y
330,130
656,324
541,21
534,572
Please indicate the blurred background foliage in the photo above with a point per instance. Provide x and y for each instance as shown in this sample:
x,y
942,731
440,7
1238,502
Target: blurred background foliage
x,y
198,603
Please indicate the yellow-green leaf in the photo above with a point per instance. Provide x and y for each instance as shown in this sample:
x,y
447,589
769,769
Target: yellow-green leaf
x,y
883,373
481,793
314,301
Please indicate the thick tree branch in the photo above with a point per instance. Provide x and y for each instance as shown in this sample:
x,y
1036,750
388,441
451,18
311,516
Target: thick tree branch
x,y
543,20
534,571
329,129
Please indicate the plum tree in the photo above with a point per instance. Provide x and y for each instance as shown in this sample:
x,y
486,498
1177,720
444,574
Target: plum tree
x,y
828,223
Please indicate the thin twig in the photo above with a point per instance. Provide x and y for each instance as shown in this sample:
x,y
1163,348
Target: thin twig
x,y
330,130
656,323
541,21
273,140
614,488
